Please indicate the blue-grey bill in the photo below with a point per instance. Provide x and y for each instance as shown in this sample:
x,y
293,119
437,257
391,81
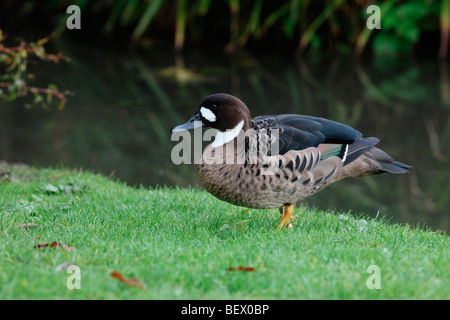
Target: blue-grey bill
x,y
193,123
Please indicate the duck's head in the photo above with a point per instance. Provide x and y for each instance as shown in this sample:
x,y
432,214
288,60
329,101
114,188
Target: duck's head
x,y
220,111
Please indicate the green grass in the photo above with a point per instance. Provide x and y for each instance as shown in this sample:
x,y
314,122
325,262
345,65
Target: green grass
x,y
180,244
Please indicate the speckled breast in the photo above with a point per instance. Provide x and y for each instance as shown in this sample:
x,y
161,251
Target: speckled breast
x,y
243,186
292,177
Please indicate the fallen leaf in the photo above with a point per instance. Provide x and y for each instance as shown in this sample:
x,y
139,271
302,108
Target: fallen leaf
x,y
65,188
27,225
50,189
241,268
54,244
41,245
129,281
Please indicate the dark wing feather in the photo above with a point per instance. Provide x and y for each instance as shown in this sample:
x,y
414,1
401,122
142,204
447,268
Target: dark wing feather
x,y
298,132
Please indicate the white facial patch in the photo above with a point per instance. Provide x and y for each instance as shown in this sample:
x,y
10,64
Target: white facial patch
x,y
227,136
208,114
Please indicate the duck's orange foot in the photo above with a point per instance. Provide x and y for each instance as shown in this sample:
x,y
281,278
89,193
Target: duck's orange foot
x,y
286,216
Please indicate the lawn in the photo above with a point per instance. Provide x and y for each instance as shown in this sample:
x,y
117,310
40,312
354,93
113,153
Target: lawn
x,y
185,244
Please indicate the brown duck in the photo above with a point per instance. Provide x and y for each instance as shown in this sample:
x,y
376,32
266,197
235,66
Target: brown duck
x,y
278,160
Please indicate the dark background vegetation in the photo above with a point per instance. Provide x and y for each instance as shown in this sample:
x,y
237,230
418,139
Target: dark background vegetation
x,y
325,27
104,97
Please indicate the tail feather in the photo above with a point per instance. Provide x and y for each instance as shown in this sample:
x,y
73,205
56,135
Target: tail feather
x,y
386,162
395,167
366,159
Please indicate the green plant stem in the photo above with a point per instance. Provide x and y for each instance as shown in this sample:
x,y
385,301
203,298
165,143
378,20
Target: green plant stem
x,y
180,24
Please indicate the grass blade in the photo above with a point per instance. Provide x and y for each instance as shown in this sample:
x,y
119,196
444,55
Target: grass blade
x,y
273,18
146,19
180,24
321,18
445,28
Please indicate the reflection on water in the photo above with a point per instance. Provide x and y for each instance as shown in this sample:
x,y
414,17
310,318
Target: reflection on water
x,y
118,122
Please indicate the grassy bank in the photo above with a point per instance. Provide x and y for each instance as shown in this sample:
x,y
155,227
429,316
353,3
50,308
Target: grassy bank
x,y
185,244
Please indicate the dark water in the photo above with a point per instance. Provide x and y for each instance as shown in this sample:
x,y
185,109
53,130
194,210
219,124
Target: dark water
x,y
118,121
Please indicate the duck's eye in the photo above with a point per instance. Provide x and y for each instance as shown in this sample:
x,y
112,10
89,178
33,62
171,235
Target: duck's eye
x,y
214,106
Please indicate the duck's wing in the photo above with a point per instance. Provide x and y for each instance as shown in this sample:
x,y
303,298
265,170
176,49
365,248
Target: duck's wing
x,y
298,132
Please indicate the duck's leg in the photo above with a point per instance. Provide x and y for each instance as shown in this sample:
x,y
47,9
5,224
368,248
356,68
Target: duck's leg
x,y
286,216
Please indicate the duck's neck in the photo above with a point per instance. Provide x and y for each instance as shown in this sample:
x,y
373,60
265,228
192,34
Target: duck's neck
x,y
227,136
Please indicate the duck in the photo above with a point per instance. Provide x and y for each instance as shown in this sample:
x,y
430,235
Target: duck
x,y
276,161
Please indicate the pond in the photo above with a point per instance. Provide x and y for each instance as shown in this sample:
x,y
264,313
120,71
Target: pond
x,y
118,120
